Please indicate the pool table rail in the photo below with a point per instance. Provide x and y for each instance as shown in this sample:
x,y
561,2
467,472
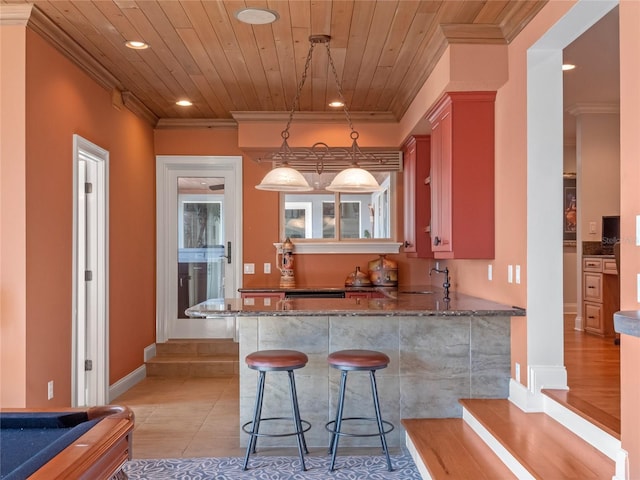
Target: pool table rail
x,y
99,453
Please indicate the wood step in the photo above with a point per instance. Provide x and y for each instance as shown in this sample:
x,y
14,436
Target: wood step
x,y
540,445
589,412
197,366
196,347
449,449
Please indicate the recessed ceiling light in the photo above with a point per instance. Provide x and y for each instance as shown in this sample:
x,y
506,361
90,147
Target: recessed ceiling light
x,y
336,104
184,103
257,16
568,66
137,45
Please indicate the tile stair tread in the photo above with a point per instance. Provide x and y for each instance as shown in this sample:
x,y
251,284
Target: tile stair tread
x,y
539,443
593,414
450,449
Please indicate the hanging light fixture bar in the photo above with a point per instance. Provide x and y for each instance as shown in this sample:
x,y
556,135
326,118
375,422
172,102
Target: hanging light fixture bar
x,y
320,157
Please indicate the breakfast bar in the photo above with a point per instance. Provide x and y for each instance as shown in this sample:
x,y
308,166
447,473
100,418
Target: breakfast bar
x,y
441,350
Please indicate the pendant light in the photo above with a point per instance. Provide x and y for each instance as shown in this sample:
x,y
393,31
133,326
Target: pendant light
x,y
353,179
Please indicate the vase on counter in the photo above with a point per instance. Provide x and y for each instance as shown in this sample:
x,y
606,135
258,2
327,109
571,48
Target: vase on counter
x,y
383,272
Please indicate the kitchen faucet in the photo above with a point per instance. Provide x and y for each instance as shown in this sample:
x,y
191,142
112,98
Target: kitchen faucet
x,y
446,283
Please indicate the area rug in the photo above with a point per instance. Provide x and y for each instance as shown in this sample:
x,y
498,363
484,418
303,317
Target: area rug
x,y
273,468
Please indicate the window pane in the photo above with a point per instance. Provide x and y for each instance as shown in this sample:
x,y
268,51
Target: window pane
x,y
313,215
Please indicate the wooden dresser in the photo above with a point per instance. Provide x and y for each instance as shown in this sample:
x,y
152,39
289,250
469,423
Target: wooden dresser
x,y
600,294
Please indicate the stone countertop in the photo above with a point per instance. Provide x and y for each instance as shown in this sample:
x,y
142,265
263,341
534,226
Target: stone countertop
x,y
314,289
395,303
627,322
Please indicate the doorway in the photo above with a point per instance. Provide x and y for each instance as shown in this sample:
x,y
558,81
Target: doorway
x,y
90,362
199,224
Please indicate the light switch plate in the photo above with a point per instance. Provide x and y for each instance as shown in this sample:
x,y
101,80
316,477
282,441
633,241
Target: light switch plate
x,y
249,268
510,274
517,273
490,272
267,267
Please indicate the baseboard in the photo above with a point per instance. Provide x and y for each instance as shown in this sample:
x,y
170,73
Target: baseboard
x,y
125,383
149,352
570,308
523,398
590,433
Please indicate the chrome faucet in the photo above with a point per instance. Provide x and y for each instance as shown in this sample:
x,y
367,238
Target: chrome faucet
x,y
446,283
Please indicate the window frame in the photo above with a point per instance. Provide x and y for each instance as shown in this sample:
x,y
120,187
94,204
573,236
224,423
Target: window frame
x,y
337,245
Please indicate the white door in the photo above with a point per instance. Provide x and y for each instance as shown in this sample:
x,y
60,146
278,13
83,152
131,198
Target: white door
x,y
90,352
199,205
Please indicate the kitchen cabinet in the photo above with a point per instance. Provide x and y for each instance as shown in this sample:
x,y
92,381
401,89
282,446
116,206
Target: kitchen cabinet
x,y
417,196
600,295
462,175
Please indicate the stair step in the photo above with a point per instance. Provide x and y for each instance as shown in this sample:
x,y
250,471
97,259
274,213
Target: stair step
x,y
449,449
541,446
591,413
188,347
194,366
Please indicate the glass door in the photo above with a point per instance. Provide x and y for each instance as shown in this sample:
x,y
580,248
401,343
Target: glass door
x,y
201,249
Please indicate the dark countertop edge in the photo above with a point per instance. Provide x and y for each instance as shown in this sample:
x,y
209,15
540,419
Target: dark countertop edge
x,y
367,288
362,313
627,322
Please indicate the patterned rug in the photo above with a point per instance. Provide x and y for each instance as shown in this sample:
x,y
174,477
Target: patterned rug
x,y
273,468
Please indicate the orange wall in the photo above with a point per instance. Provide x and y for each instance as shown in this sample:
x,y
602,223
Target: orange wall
x,y
13,301
61,101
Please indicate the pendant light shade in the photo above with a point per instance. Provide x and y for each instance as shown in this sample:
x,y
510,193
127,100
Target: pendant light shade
x,y
354,180
284,179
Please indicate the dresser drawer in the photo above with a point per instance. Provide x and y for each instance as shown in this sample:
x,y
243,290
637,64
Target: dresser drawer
x,y
609,266
592,287
593,317
592,264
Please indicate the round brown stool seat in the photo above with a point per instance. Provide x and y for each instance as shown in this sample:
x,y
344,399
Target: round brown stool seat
x,y
350,361
273,361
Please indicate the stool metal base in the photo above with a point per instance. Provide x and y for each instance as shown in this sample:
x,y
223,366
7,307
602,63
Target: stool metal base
x,y
300,426
335,426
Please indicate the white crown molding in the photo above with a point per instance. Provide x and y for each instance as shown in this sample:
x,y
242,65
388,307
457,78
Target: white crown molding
x,y
15,14
196,123
316,117
585,108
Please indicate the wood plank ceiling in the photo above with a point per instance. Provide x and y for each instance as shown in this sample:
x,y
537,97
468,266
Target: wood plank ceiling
x,y
383,50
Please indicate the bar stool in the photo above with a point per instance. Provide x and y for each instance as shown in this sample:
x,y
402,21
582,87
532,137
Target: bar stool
x,y
357,361
276,361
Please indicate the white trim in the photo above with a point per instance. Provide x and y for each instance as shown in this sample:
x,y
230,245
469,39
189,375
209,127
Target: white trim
x,y
503,454
522,398
417,459
149,352
343,247
622,465
586,430
127,382
167,168
98,389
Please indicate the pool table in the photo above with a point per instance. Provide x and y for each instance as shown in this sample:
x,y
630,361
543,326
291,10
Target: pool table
x,y
71,443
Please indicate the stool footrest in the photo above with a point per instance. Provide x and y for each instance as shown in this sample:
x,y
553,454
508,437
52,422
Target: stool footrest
x,y
330,427
305,424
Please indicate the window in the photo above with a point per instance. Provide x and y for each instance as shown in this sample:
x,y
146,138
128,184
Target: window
x,y
361,223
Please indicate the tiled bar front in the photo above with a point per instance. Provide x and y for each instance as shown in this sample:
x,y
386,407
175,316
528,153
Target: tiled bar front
x,y
435,360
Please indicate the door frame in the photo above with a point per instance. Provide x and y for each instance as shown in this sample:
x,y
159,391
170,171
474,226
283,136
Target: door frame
x,y
93,391
167,167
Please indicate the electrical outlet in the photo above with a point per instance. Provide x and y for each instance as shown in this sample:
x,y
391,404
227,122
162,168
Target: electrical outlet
x,y
267,268
50,390
249,268
517,273
517,372
490,272
510,273
593,227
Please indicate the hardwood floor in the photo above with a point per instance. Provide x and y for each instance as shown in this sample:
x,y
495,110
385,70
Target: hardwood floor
x,y
593,370
198,417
